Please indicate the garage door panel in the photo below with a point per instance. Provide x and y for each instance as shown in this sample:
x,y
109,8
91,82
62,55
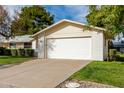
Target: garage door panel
x,y
71,48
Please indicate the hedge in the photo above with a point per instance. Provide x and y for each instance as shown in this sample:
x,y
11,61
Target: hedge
x,y
7,52
2,50
17,52
112,54
14,52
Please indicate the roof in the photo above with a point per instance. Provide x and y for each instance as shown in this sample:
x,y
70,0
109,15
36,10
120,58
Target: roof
x,y
68,21
23,38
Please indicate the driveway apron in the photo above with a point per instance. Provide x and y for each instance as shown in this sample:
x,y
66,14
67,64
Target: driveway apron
x,y
40,73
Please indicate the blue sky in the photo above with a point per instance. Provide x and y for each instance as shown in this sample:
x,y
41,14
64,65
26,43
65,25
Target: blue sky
x,y
71,12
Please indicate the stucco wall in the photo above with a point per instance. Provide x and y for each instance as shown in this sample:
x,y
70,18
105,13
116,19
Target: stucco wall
x,y
97,46
41,47
6,45
67,31
34,44
19,45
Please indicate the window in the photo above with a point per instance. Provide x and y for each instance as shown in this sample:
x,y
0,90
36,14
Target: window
x,y
12,45
27,45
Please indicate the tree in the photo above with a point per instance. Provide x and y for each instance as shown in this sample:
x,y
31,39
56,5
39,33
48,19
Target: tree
x,y
31,20
109,17
5,23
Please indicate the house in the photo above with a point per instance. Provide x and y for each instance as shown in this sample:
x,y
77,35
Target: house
x,y
17,42
119,44
68,39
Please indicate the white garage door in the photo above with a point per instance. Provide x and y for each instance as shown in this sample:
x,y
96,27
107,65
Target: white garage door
x,y
69,48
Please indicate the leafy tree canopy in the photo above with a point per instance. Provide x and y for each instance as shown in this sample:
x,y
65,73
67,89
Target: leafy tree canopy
x,y
31,19
110,17
5,23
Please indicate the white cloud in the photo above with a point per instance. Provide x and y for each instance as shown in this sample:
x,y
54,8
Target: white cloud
x,y
72,12
79,12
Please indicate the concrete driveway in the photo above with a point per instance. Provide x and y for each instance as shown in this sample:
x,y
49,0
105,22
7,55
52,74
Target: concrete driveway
x,y
39,73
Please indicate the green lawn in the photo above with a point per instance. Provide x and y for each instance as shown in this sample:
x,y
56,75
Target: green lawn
x,y
111,73
12,60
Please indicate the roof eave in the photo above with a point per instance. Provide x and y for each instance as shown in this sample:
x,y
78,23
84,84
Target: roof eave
x,y
65,20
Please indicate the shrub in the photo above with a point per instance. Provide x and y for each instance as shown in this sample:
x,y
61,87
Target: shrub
x,y
2,50
7,52
120,56
17,52
30,52
21,52
25,52
112,54
13,52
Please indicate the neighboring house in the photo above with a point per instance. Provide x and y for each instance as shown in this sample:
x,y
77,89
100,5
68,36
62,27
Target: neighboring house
x,y
119,44
17,42
70,40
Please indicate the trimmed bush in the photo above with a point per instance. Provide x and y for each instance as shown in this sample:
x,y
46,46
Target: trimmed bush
x,y
14,52
21,52
112,54
120,56
26,52
2,50
7,52
29,52
17,52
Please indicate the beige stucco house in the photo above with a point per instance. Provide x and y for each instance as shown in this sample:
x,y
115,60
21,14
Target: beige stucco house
x,y
68,39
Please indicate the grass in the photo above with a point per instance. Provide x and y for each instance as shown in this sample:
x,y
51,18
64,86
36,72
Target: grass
x,y
111,73
12,59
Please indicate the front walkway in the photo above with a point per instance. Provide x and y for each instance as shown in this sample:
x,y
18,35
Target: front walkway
x,y
39,73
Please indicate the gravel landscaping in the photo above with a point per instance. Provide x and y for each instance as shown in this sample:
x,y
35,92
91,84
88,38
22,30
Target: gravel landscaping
x,y
6,86
84,84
